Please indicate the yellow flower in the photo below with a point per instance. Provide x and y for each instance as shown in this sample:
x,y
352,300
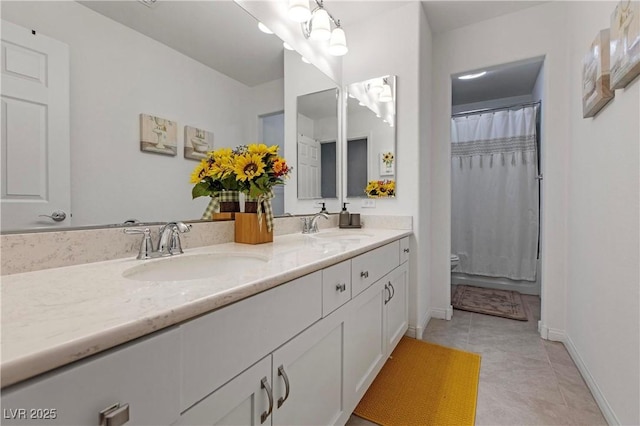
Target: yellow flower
x,y
262,150
200,171
248,166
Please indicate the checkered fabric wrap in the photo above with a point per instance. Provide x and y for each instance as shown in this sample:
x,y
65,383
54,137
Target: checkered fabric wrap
x,y
264,208
216,199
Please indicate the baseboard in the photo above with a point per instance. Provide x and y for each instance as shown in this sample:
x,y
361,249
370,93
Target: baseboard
x,y
417,331
553,334
602,402
440,313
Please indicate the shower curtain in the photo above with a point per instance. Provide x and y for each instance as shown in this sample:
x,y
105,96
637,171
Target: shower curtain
x,y
494,211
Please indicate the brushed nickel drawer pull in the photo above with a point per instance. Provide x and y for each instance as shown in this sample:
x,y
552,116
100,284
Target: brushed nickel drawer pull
x,y
406,250
264,384
341,287
115,415
364,274
281,372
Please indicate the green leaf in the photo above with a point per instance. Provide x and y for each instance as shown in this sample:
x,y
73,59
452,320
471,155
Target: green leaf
x,y
200,189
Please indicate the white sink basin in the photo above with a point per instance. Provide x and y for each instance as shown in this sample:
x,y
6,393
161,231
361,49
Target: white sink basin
x,y
193,267
342,235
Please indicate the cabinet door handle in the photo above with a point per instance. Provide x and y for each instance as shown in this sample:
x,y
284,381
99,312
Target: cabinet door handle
x,y
364,274
341,287
264,384
281,372
114,415
406,250
393,290
387,289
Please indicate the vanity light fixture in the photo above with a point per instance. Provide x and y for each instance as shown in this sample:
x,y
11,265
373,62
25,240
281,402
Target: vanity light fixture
x,y
317,27
385,95
286,46
264,28
471,76
299,10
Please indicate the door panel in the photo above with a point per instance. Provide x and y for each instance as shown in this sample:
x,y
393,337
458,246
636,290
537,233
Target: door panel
x,y
35,129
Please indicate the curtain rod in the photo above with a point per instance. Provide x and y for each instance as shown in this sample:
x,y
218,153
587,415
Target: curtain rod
x,y
475,111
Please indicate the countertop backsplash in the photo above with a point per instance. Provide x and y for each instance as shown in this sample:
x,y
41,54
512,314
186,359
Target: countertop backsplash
x,y
44,250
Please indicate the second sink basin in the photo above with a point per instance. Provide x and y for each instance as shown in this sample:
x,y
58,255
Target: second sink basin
x,y
194,266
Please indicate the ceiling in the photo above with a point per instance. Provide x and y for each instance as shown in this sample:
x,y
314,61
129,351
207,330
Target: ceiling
x,y
319,105
502,81
219,34
449,15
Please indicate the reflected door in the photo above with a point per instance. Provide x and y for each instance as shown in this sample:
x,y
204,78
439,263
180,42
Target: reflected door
x,y
35,130
308,168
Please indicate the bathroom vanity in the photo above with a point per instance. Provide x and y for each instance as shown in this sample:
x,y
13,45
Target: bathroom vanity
x,y
296,339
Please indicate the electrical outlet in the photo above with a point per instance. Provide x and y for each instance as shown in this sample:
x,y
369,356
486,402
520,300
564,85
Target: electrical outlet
x,y
368,203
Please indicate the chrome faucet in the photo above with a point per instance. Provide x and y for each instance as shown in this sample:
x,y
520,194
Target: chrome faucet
x,y
310,224
169,238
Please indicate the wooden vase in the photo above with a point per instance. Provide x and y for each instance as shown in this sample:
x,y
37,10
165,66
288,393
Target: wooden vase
x,y
247,230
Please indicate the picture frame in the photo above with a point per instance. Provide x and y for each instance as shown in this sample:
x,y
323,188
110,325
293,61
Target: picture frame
x,y
197,142
625,43
158,135
596,92
387,163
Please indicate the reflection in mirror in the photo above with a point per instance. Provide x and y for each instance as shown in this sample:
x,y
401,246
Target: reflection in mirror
x,y
317,131
172,61
371,138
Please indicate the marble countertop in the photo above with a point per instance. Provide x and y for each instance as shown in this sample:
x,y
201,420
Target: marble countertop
x,y
53,317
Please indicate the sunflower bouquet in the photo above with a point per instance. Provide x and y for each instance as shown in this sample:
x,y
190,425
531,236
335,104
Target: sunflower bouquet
x,y
253,169
381,189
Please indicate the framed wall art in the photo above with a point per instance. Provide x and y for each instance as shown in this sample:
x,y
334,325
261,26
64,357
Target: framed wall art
x,y
387,163
158,135
596,92
197,142
625,43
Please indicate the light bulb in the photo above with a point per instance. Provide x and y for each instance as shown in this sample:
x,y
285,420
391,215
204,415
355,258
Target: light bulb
x,y
299,10
286,46
376,86
320,26
338,43
264,28
385,95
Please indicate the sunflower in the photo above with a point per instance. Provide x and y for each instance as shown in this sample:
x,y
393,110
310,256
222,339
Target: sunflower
x,y
248,166
200,171
387,158
262,150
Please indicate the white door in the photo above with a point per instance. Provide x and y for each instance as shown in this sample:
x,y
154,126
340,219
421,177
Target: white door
x,y
308,168
35,130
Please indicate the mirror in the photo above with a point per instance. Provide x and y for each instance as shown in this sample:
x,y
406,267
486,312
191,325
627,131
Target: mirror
x,y
317,136
201,68
371,138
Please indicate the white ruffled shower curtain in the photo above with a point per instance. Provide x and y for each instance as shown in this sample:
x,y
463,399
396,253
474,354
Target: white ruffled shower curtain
x,y
494,211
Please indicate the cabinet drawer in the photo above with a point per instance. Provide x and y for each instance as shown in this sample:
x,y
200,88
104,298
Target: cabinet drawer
x,y
336,287
143,374
404,250
218,346
370,267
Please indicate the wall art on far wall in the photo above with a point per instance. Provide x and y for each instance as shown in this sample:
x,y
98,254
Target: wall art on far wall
x,y
595,76
387,163
625,43
158,135
197,143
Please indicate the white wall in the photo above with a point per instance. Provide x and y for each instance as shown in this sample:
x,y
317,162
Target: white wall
x,y
603,266
388,45
116,74
380,137
590,239
526,34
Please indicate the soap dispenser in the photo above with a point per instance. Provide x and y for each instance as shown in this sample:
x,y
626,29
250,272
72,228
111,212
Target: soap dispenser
x,y
344,217
323,209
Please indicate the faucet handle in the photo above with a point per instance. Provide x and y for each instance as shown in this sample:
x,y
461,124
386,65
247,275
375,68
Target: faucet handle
x,y
146,246
305,224
175,247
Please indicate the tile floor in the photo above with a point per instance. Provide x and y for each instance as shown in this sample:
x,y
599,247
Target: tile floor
x,y
524,380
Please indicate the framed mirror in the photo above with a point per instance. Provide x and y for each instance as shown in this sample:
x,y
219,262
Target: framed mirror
x,y
170,62
317,145
371,139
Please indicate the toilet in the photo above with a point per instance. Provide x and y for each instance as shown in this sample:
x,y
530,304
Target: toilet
x,y
454,261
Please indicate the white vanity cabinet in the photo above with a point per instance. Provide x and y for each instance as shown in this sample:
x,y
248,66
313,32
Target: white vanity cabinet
x,y
143,374
298,384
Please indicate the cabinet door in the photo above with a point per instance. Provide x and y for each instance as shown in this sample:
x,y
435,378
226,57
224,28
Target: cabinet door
x,y
243,401
364,344
396,307
143,374
307,375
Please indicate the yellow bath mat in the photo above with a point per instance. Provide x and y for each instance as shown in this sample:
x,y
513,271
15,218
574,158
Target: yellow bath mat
x,y
423,384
